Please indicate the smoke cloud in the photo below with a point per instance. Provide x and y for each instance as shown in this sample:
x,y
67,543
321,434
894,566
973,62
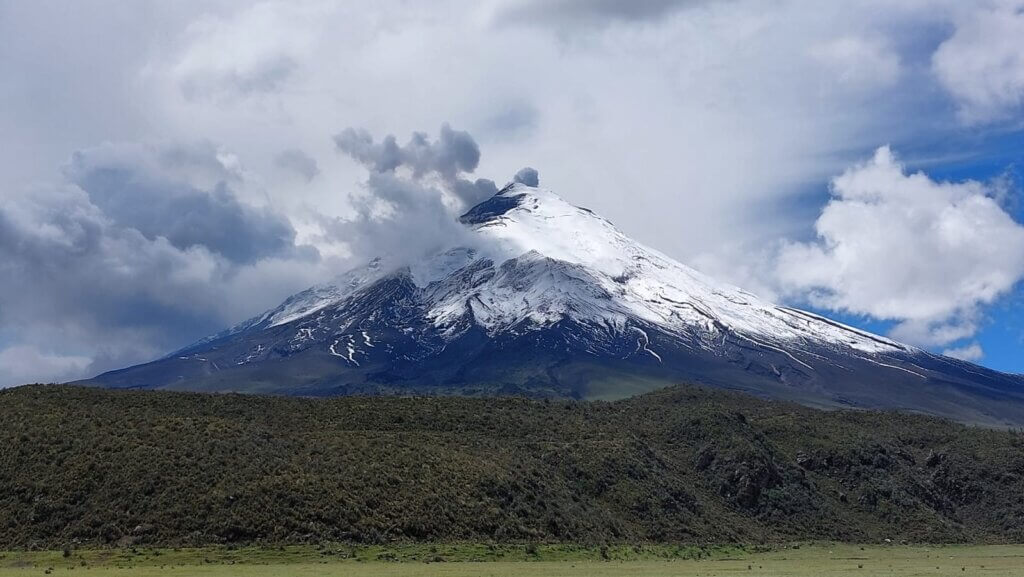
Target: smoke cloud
x,y
527,176
413,192
446,159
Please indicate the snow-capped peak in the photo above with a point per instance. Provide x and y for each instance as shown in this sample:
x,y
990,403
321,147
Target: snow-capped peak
x,y
548,260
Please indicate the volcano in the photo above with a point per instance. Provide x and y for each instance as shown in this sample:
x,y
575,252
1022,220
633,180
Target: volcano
x,y
549,299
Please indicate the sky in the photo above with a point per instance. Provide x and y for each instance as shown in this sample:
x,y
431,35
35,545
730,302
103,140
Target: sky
x,y
169,169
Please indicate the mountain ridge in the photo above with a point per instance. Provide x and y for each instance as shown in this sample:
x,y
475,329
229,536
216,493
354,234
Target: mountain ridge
x,y
547,295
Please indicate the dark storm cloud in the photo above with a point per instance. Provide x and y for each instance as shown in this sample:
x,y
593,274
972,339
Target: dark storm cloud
x,y
141,250
146,189
66,265
527,176
298,162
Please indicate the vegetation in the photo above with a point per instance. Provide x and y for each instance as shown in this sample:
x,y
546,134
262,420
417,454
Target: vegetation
x,y
82,468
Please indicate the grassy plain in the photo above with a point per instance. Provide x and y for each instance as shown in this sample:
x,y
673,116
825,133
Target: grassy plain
x,y
809,560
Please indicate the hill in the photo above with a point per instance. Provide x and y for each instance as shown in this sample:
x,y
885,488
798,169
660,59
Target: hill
x,y
93,466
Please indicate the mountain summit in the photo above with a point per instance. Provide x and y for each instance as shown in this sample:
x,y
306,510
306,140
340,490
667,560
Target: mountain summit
x,y
547,298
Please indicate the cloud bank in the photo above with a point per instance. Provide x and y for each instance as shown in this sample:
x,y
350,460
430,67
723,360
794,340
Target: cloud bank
x,y
138,250
182,194
900,246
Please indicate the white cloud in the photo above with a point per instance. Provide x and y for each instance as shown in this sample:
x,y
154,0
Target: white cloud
x,y
938,332
972,352
859,63
982,63
903,247
25,364
253,54
662,99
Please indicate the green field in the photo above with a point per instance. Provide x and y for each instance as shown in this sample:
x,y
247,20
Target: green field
x,y
817,560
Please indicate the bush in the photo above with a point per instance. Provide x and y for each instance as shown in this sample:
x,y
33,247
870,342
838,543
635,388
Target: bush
x,y
682,465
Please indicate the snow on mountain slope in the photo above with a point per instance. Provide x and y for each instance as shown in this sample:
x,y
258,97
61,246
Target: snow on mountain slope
x,y
575,264
319,297
647,283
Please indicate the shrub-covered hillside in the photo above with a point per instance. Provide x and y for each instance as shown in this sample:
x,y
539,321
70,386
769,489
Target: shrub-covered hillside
x,y
90,466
